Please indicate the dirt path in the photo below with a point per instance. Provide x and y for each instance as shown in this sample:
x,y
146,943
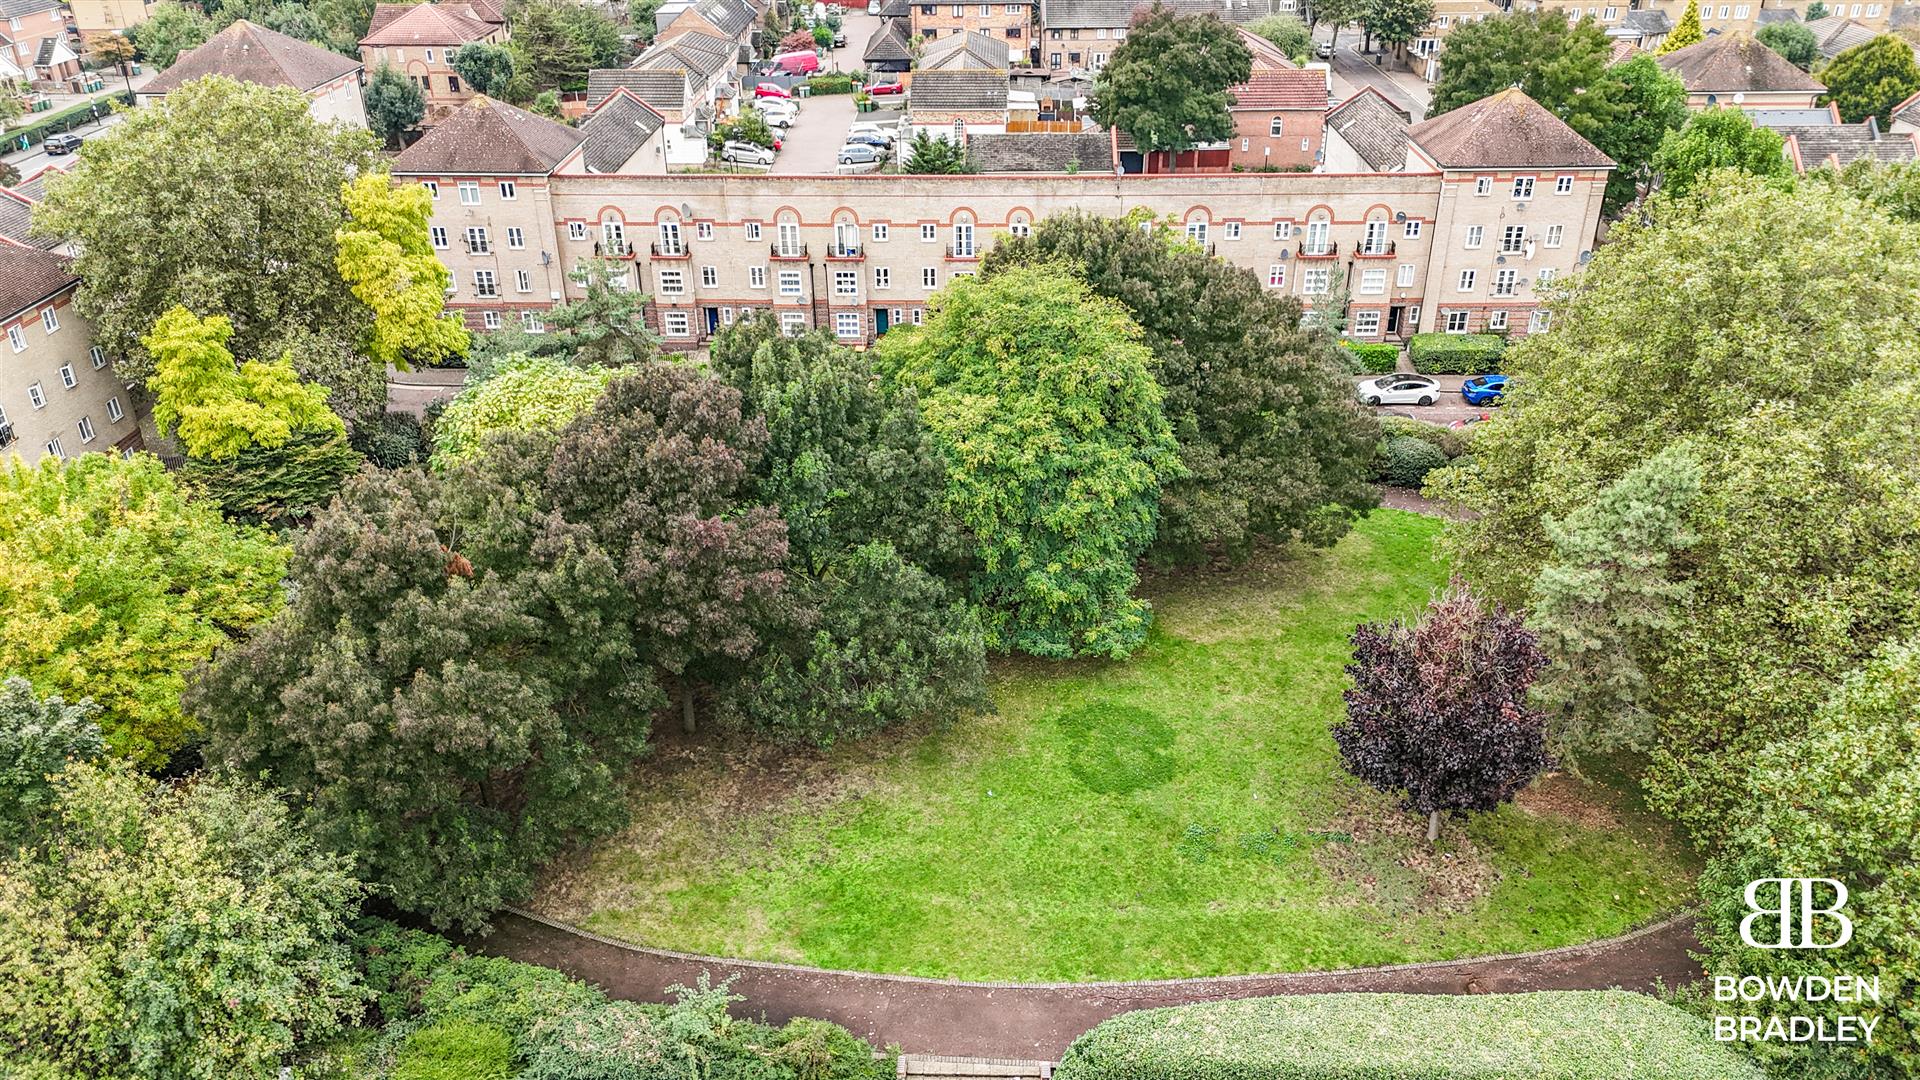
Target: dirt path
x,y
998,1020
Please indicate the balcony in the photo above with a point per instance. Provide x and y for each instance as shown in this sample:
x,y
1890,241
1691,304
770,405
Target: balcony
x,y
1380,250
613,249
846,251
1324,251
788,251
671,250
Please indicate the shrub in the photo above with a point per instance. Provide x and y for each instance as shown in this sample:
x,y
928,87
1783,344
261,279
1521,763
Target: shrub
x,y
1451,443
1605,1035
394,442
830,84
457,1050
1456,354
1408,460
1370,358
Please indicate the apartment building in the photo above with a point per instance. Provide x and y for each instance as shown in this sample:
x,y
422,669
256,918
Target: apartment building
x,y
1009,22
58,393
419,40
1489,203
247,52
35,42
93,17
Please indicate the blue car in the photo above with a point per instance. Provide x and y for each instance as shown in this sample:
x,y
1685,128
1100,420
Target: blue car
x,y
1484,389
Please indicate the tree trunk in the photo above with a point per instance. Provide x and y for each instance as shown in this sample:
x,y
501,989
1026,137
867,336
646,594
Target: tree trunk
x,y
1433,819
686,708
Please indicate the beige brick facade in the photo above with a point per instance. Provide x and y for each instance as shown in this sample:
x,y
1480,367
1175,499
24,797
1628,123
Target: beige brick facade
x,y
1011,23
59,394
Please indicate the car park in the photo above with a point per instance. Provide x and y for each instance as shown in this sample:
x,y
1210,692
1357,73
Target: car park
x,y
1484,389
64,143
745,153
868,127
859,154
1399,389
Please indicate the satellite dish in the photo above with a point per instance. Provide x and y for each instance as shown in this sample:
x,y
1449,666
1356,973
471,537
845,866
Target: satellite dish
x,y
1401,216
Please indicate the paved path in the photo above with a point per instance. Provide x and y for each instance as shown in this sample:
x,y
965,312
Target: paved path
x,y
1038,1021
412,391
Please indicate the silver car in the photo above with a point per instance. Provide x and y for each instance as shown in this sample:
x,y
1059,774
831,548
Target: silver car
x,y
859,154
1399,389
745,153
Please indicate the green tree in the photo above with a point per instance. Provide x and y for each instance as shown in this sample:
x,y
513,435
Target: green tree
x,y
823,37
171,30
1561,64
931,155
1166,85
1287,32
1836,800
1337,13
1395,22
1685,32
1791,40
524,394
162,931
607,325
1055,464
640,19
1779,369
1273,447
168,210
1652,103
484,66
395,105
1816,10
38,738
1891,187
442,695
1717,139
386,258
217,409
277,486
1604,599
113,585
750,126
1870,79
556,44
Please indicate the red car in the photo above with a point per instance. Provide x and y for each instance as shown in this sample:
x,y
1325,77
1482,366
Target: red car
x,y
887,88
770,90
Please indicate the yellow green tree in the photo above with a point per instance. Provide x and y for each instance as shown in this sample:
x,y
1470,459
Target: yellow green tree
x,y
217,408
386,258
1685,32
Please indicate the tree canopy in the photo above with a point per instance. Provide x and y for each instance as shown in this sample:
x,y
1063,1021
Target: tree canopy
x,y
555,44
386,257
1719,139
523,394
38,739
486,67
1559,63
1287,32
607,324
1396,22
1791,40
1652,103
395,104
1686,30
1871,78
1166,85
169,31
217,409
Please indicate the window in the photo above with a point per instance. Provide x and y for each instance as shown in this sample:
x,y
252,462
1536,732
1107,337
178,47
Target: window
x,y
1233,230
433,189
36,396
703,230
846,283
1523,187
1366,324
1276,127
1283,230
1020,226
509,190
1563,185
756,277
789,238
469,193
576,230
1375,240
516,238
1513,238
1316,243
67,378
17,338
793,323
1315,279
483,283
753,230
709,277
86,429
919,314
1403,278
726,316
1545,278
1475,235
929,233
522,281
789,283
530,321
1506,282
439,235
1467,278
1277,276
1483,185
1555,233
477,242
429,56
670,242
846,324
490,320
1456,322
1412,231
677,324
53,447
114,410
1197,231
1539,321
930,278
1373,282
1609,14
882,278
1497,320
1053,59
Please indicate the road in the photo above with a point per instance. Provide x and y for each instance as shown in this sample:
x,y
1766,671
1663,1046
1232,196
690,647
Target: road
x,y
1354,70
32,161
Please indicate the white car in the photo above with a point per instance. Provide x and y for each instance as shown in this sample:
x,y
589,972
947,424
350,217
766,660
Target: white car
x,y
779,121
744,153
1401,389
771,105
868,128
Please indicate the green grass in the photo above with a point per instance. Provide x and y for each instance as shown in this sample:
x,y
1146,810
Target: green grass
x,y
1182,813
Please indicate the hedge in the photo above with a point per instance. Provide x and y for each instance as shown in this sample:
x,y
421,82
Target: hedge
x,y
1456,354
1408,460
65,120
1577,1035
1451,442
1371,358
830,84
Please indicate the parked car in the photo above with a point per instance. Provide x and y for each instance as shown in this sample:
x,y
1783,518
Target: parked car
x,y
1324,51
64,143
859,154
782,102
797,63
868,127
884,89
779,121
745,153
768,90
868,138
1484,389
1400,389
839,39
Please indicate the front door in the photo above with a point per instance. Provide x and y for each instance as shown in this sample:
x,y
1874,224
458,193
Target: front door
x,y
879,321
1395,315
713,320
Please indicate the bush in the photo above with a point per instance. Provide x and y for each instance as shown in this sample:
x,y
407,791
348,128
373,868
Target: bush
x,y
830,84
1408,460
1544,1036
458,1050
1456,354
1370,358
393,442
1451,443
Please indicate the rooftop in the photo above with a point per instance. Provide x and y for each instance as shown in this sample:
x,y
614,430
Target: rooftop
x,y
1374,127
1908,111
29,275
663,91
888,44
971,51
1507,129
1084,151
254,54
426,24
616,130
1297,89
958,91
489,138
1736,64
1841,144
1085,14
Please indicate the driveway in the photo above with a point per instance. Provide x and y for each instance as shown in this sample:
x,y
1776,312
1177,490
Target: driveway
x,y
1354,70
812,145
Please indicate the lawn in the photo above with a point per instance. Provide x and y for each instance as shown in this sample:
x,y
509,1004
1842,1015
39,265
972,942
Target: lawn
x,y
1181,813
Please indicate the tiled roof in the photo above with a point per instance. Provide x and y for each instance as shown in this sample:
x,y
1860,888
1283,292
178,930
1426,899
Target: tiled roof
x,y
958,91
489,138
429,24
1735,64
14,9
616,130
730,17
893,9
28,276
1298,90
1266,55
35,187
1623,50
663,91
1835,35
1086,14
888,44
1908,110
1084,151
1374,127
1766,16
255,54
16,220
971,51
1507,129
1839,144
692,51
1649,22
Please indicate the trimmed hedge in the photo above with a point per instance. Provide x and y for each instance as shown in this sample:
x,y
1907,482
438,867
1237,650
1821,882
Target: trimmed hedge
x,y
1456,354
1451,442
1408,460
67,119
1577,1035
830,84
1371,358
456,1050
